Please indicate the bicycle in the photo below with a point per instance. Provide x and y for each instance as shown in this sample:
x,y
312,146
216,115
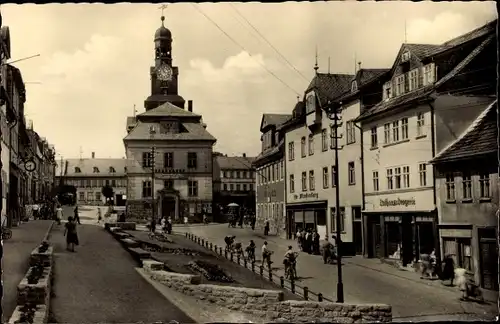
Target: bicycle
x,y
6,232
290,267
251,254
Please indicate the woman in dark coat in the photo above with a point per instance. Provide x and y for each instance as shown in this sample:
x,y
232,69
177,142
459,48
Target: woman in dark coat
x,y
309,242
71,234
448,269
316,243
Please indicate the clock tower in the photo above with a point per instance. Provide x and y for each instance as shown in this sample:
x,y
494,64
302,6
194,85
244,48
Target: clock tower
x,y
164,76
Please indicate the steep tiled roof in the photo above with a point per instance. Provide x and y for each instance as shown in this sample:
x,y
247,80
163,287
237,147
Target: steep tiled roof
x,y
421,93
275,119
86,167
363,77
480,138
476,33
329,86
422,51
193,132
234,162
268,153
168,109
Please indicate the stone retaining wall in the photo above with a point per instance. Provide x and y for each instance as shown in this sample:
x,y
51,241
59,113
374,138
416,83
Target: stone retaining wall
x,y
41,315
267,304
44,257
126,226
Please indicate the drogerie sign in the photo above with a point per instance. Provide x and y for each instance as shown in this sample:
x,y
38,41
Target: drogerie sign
x,y
313,195
397,202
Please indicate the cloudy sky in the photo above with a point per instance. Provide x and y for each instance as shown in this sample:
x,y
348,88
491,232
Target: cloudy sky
x,y
94,59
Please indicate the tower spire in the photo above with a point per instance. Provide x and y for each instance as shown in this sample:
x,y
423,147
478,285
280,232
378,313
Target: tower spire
x,y
316,64
163,7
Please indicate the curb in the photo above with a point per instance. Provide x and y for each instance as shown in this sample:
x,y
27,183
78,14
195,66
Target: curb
x,y
47,234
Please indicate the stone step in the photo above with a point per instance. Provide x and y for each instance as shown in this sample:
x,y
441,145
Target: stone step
x,y
122,236
130,243
139,253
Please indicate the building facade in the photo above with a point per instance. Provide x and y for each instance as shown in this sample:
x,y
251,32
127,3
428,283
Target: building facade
x,y
234,182
89,175
270,176
182,182
423,107
467,190
310,169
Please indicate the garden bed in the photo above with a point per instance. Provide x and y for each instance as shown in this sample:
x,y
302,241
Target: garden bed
x,y
35,289
29,313
210,271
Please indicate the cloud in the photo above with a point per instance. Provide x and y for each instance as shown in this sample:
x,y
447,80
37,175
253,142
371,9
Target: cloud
x,y
92,76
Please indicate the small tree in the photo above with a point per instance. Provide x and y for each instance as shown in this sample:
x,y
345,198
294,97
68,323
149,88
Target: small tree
x,y
108,192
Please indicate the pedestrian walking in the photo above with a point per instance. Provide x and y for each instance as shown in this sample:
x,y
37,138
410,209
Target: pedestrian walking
x,y
36,209
59,214
309,241
266,256
99,216
77,217
71,234
185,221
298,236
448,272
152,227
266,229
253,220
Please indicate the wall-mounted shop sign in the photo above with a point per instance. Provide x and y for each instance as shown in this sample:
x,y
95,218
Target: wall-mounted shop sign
x,y
397,202
309,195
270,192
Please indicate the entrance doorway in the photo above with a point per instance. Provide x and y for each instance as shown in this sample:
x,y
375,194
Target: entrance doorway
x,y
168,207
357,233
488,258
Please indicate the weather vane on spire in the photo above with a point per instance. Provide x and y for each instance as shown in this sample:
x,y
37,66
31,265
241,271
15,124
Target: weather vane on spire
x,y
163,7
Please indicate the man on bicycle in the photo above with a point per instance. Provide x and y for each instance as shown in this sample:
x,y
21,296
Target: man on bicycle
x,y
250,249
229,242
266,255
290,262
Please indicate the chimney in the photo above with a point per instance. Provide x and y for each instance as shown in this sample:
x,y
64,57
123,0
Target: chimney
x,y
190,105
244,155
93,155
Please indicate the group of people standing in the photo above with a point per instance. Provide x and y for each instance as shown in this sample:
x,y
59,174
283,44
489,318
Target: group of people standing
x,y
308,241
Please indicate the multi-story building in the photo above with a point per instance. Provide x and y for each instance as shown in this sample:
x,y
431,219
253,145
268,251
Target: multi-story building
x,y
365,90
310,168
7,117
182,184
467,190
270,175
234,182
89,175
433,92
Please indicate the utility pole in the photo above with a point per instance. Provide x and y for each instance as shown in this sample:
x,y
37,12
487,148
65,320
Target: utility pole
x,y
333,114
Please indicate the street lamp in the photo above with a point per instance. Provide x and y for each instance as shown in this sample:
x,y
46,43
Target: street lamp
x,y
152,133
333,114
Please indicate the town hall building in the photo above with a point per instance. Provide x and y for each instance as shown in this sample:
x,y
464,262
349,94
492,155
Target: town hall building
x,y
181,184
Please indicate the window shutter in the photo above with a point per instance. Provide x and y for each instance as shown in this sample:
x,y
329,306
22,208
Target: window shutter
x,y
433,73
421,77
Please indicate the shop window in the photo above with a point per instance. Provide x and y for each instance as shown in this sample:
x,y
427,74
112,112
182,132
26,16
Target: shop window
x,y
393,238
460,250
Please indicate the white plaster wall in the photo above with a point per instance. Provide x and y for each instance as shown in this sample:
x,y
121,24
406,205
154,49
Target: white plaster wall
x,y
350,195
408,153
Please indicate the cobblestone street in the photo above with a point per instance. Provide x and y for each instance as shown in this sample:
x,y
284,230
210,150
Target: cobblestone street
x,y
364,281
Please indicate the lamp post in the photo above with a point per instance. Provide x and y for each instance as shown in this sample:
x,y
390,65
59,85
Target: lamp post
x,y
333,114
152,132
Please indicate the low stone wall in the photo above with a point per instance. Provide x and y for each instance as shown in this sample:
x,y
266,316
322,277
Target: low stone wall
x,y
41,315
37,294
126,226
268,304
44,257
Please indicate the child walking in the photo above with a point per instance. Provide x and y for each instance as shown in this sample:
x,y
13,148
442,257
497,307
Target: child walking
x,y
71,234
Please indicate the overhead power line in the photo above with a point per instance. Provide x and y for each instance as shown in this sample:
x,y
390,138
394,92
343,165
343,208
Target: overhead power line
x,y
268,42
196,6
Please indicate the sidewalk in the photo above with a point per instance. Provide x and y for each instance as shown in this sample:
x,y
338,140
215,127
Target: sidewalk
x,y
15,263
365,280
99,284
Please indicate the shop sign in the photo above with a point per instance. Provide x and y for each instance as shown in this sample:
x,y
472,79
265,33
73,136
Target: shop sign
x,y
309,195
397,202
269,193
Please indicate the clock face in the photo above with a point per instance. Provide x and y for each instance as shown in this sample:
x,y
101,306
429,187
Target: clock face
x,y
30,166
164,72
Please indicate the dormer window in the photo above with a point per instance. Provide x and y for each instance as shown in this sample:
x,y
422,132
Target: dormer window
x,y
112,170
354,86
405,57
96,170
78,170
310,103
387,90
